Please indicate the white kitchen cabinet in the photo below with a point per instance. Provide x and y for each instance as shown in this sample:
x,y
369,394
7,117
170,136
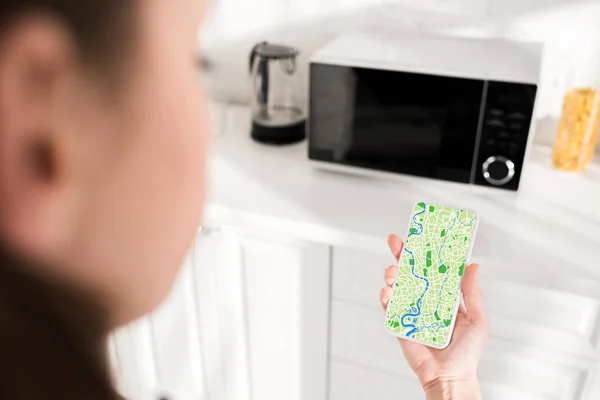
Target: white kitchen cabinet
x,y
164,354
287,298
132,363
247,319
354,382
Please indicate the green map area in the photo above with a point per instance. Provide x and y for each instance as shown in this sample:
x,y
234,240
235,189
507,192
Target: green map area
x,y
430,272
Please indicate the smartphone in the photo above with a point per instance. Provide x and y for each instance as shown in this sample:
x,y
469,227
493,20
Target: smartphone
x,y
427,291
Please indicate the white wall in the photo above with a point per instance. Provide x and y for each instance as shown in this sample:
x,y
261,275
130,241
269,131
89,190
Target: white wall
x,y
569,29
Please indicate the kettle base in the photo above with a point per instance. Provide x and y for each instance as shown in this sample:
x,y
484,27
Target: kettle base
x,y
279,135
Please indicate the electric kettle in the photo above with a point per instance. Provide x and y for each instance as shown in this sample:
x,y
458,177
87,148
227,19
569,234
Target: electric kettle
x,y
277,117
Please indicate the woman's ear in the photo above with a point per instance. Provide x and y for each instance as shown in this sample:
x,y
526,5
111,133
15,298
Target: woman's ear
x,y
37,64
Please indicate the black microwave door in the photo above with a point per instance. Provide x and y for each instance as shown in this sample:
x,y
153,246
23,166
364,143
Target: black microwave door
x,y
410,123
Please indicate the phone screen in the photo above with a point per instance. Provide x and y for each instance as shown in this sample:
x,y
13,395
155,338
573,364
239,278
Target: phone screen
x,y
426,294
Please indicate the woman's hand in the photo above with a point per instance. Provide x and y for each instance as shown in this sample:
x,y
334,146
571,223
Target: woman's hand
x,y
450,373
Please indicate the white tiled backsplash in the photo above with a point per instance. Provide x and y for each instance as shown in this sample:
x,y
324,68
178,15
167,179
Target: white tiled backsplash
x,y
570,30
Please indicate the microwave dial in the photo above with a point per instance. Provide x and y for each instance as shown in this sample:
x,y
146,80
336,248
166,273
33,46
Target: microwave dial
x,y
498,170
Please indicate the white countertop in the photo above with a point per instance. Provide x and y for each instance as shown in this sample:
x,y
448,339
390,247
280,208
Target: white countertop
x,y
552,223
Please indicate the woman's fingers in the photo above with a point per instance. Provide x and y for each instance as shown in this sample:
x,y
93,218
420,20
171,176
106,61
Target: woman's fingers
x,y
473,297
396,244
461,305
390,274
385,295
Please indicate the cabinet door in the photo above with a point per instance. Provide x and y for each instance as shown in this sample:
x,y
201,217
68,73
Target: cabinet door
x,y
130,353
247,319
287,314
183,349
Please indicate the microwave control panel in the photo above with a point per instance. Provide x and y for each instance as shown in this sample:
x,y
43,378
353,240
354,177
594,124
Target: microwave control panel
x,y
505,128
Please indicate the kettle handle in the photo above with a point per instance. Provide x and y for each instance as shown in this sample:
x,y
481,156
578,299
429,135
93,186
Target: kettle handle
x,y
261,93
253,54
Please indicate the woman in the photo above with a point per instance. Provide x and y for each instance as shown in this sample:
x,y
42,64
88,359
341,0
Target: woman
x,y
102,153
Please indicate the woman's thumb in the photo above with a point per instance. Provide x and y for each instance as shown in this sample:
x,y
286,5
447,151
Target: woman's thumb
x,y
472,291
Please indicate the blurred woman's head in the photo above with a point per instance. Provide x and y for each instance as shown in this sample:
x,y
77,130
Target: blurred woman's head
x,y
102,143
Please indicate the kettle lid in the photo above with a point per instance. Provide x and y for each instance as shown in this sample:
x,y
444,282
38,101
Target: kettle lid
x,y
275,51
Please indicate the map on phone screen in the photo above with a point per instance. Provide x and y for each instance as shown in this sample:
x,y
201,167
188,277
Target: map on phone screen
x,y
426,294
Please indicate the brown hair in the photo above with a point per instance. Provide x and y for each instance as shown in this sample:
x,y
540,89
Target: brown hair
x,y
101,28
53,337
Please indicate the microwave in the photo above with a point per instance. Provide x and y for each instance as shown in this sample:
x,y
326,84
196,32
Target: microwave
x,y
438,107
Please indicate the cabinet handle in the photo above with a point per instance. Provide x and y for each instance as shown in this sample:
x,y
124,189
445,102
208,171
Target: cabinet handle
x,y
208,230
